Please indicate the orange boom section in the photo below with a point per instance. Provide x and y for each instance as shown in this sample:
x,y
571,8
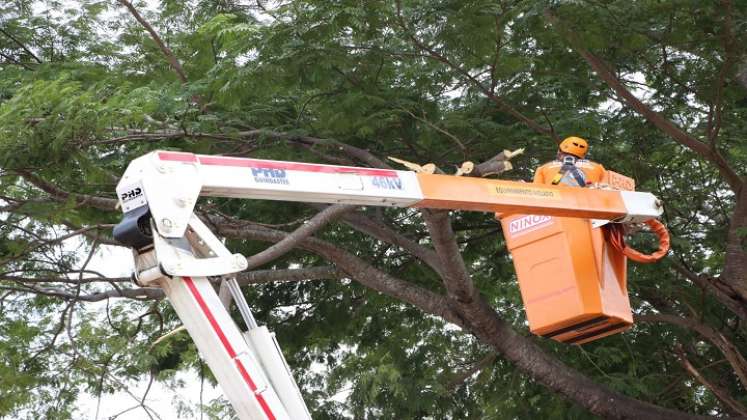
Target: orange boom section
x,y
489,195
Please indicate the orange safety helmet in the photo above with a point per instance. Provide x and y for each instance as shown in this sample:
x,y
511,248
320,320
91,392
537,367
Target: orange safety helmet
x,y
575,146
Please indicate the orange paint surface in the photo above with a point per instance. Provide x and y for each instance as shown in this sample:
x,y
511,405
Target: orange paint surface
x,y
572,283
479,194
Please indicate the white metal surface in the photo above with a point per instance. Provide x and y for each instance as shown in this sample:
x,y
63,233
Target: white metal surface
x,y
170,189
640,206
220,343
170,183
265,345
235,362
176,259
274,180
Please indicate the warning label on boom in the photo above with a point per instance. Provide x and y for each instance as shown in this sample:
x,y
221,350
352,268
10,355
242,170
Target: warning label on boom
x,y
526,192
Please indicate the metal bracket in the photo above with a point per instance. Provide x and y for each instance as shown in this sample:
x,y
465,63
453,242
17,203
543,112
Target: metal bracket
x,y
176,257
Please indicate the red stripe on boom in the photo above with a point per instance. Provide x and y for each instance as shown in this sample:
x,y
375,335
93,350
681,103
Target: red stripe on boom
x,y
227,345
273,164
177,156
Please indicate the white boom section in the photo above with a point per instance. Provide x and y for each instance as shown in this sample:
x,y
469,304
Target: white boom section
x,y
220,343
250,368
170,183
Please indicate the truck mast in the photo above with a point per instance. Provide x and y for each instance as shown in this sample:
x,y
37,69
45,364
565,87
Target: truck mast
x,y
551,232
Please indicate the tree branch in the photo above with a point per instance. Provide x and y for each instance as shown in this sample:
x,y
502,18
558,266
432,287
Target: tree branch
x,y
62,195
455,275
281,248
382,232
16,62
290,275
729,350
353,266
720,393
460,377
20,44
722,292
143,293
502,104
170,57
607,75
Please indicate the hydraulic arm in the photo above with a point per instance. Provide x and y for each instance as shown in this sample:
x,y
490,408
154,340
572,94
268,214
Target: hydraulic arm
x,y
174,250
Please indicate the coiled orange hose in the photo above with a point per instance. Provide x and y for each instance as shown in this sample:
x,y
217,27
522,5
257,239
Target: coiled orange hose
x,y
617,239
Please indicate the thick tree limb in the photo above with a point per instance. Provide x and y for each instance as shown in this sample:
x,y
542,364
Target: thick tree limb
x,y
170,57
735,261
281,248
290,275
481,319
455,275
353,266
550,372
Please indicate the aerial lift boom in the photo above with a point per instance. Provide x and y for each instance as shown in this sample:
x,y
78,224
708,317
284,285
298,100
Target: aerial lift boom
x,y
174,250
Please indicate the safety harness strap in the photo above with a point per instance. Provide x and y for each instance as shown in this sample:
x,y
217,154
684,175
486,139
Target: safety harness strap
x,y
569,165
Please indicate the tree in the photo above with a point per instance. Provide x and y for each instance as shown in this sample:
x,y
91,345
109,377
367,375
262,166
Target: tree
x,y
415,314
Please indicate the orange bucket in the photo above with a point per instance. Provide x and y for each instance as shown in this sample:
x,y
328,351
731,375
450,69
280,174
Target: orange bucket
x,y
573,282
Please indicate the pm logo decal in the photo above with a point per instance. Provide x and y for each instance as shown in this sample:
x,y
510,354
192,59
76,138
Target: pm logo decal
x,y
270,176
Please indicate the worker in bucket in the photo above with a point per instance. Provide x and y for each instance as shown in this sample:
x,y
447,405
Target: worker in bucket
x,y
570,168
